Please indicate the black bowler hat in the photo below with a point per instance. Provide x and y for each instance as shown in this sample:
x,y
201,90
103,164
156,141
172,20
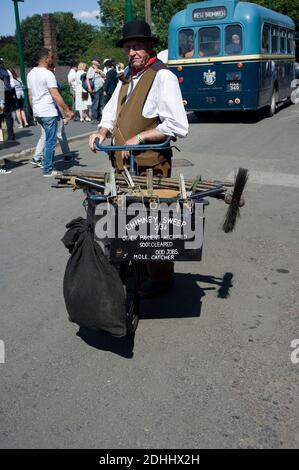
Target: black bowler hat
x,y
136,29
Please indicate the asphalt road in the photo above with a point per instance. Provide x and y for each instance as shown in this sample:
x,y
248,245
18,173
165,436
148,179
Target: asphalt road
x,y
27,137
211,365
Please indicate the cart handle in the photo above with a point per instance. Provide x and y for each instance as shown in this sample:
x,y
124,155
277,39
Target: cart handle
x,y
137,148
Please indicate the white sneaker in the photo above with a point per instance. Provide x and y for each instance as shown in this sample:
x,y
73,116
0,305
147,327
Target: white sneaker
x,y
20,126
87,119
4,172
36,163
51,173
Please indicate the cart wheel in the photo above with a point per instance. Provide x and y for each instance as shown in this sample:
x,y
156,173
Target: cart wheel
x,y
133,304
131,275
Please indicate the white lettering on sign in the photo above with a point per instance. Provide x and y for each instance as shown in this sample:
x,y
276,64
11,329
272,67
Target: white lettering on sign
x,y
203,14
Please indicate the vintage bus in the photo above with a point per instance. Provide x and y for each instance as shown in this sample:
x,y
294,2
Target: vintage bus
x,y
232,55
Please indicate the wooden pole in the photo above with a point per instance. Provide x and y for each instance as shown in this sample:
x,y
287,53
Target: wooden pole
x,y
148,12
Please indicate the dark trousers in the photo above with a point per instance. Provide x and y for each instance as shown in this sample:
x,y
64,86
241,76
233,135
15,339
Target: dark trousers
x,y
96,99
105,100
9,107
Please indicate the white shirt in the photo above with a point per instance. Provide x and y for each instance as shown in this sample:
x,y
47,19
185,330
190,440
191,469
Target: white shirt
x,y
94,75
39,81
163,56
19,88
164,100
12,83
71,78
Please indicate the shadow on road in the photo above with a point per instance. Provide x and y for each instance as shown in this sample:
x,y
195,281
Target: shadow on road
x,y
11,164
20,134
183,302
103,341
185,299
61,164
8,144
231,117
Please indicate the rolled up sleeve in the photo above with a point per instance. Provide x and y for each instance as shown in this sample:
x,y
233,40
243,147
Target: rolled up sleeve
x,y
170,106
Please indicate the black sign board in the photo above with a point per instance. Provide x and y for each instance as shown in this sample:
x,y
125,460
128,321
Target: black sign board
x,y
152,233
210,13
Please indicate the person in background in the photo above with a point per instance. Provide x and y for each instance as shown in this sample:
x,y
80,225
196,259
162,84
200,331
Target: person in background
x,y
71,78
95,81
120,67
110,82
235,46
44,96
61,136
9,99
121,71
20,113
83,100
106,67
3,170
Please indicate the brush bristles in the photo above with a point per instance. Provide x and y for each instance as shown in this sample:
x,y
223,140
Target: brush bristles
x,y
233,212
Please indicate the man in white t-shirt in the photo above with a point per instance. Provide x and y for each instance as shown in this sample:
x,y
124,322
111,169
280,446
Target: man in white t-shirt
x,y
44,99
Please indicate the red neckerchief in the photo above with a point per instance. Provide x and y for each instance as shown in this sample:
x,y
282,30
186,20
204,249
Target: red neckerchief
x,y
148,63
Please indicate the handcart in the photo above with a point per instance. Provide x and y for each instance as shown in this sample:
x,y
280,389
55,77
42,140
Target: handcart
x,y
144,219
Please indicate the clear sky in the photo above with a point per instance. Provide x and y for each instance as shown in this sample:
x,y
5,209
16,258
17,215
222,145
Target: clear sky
x,y
85,10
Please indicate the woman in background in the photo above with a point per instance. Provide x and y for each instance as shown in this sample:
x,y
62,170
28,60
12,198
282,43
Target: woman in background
x,y
83,99
20,113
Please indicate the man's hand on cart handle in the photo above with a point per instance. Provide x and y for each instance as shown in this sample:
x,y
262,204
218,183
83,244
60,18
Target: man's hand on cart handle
x,y
98,135
132,141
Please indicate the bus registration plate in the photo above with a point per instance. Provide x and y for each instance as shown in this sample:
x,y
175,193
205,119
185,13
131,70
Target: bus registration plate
x,y
234,86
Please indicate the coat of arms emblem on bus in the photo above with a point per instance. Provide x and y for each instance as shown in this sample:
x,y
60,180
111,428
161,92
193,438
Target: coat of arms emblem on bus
x,y
209,77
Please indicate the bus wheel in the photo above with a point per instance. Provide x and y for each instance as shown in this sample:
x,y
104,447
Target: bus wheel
x,y
271,108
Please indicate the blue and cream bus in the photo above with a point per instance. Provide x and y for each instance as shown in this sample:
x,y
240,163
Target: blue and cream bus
x,y
232,55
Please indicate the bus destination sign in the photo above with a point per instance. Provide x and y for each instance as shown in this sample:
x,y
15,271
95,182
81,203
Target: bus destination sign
x,y
211,13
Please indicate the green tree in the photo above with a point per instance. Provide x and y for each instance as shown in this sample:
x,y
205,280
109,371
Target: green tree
x,y
103,47
7,40
73,37
32,35
112,13
162,12
9,52
286,7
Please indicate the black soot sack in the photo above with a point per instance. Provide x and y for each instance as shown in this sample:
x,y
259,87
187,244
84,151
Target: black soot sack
x,y
92,289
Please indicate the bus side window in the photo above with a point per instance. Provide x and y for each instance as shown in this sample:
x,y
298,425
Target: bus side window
x,y
233,39
290,43
186,43
274,40
209,42
282,41
265,39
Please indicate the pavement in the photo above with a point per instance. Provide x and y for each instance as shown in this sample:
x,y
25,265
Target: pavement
x,y
210,365
27,138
